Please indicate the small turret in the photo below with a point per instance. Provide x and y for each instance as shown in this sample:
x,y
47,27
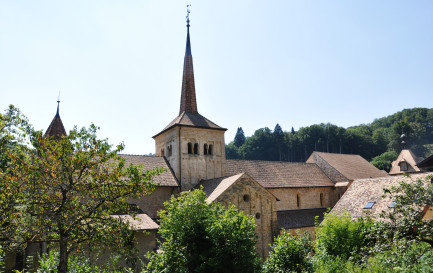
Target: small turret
x,y
56,128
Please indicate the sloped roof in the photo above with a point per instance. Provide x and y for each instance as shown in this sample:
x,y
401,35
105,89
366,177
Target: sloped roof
x,y
215,187
426,163
56,128
406,155
299,218
350,166
139,222
370,190
191,120
274,174
166,178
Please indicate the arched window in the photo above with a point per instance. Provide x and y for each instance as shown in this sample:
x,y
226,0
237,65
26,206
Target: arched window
x,y
321,199
246,198
298,200
210,149
205,149
196,148
189,148
162,152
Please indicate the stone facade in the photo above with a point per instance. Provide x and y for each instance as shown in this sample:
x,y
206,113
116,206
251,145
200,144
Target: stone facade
x,y
251,198
306,198
184,148
329,170
154,201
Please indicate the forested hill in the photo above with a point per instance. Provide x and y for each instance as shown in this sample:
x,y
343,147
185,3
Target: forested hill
x,y
367,140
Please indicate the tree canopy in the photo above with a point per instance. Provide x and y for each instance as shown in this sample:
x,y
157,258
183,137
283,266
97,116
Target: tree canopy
x,y
202,237
367,140
65,190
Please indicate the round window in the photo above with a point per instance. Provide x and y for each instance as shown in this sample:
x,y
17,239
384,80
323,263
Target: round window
x,y
258,215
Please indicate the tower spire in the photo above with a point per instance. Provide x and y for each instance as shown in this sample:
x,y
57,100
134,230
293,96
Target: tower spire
x,y
188,100
56,128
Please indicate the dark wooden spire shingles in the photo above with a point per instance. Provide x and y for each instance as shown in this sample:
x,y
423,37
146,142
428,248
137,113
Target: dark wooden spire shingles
x,y
56,128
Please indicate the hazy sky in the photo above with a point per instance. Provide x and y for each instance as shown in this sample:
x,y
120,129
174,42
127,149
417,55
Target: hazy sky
x,y
118,64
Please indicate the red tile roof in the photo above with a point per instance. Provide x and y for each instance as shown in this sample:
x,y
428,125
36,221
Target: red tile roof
x,y
350,166
273,174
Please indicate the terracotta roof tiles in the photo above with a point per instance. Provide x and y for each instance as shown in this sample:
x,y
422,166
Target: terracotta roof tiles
x,y
274,174
166,178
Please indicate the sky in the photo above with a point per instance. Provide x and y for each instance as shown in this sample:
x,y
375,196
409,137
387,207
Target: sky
x,y
118,64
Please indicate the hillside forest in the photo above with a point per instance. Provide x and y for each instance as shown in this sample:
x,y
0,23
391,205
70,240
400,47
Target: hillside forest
x,y
378,142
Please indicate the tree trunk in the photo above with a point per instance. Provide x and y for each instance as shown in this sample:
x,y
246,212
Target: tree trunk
x,y
63,253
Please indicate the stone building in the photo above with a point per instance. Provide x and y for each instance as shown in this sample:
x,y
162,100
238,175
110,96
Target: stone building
x,y
280,195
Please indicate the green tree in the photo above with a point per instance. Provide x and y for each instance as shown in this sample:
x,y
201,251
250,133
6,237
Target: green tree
x,y
278,136
202,237
384,160
239,137
290,254
70,187
232,152
340,235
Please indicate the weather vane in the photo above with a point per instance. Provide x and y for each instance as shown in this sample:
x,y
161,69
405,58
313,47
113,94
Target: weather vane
x,y
187,14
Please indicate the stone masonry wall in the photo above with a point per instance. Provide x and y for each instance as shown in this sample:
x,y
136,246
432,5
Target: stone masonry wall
x,y
254,200
309,197
330,171
193,167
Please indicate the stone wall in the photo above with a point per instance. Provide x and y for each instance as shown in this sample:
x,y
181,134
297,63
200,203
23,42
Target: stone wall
x,y
193,167
153,202
247,195
308,197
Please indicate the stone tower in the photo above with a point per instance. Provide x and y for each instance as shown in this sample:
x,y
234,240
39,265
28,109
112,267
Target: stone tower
x,y
192,144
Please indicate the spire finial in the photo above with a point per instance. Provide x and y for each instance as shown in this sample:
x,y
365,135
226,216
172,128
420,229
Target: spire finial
x,y
58,103
187,15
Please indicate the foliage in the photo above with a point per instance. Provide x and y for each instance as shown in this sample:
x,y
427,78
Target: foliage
x,y
367,140
406,218
290,254
340,235
68,189
384,161
202,237
239,137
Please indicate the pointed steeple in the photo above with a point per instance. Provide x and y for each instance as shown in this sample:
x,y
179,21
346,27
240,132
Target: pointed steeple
x,y
56,128
188,100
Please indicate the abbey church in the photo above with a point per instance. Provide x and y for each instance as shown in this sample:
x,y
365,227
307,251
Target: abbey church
x,y
280,195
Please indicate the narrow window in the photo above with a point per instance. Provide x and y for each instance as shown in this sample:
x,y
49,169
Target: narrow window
x,y
189,148
246,198
205,149
321,199
196,148
210,149
169,150
298,200
162,152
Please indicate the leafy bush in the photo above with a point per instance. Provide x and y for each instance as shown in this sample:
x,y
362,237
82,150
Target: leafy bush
x,y
290,254
202,237
340,235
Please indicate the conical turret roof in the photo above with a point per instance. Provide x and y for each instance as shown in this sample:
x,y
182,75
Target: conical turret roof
x,y
56,128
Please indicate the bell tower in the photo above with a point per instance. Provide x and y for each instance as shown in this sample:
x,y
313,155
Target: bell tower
x,y
193,145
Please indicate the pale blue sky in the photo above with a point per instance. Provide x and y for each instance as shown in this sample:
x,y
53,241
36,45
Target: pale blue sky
x,y
118,64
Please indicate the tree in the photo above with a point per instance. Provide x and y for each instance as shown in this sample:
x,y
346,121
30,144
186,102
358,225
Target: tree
x,y
290,254
384,160
406,217
278,139
70,187
202,237
239,137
